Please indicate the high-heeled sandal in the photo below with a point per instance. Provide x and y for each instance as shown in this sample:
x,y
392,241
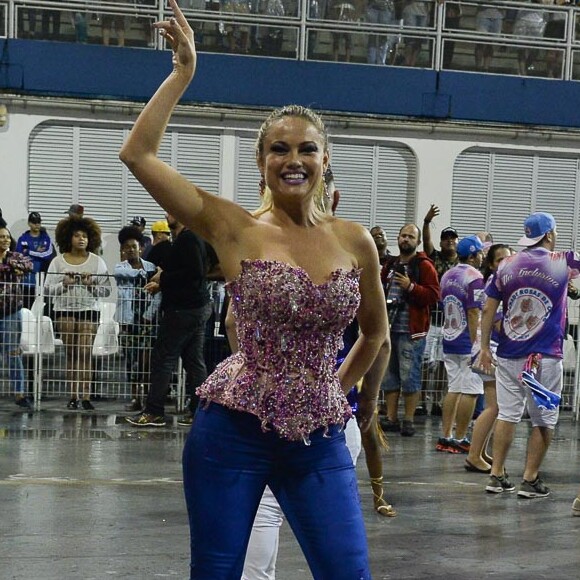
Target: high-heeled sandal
x,y
576,507
381,506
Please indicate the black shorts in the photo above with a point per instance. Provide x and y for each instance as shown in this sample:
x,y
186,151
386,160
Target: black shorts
x,y
78,315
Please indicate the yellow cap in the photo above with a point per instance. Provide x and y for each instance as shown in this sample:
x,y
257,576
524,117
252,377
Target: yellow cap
x,y
160,226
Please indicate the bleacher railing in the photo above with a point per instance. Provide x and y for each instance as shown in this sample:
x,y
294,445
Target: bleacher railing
x,y
511,38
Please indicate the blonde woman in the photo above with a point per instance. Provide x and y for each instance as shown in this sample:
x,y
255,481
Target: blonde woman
x,y
273,413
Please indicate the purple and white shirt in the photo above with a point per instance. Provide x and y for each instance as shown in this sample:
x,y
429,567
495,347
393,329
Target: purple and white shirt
x,y
532,288
461,290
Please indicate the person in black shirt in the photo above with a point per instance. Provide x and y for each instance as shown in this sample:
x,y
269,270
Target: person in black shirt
x,y
380,239
161,241
185,310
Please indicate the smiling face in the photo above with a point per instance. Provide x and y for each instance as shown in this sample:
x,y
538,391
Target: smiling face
x,y
293,158
379,237
4,240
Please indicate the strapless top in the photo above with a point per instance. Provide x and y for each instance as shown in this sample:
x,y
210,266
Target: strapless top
x,y
289,332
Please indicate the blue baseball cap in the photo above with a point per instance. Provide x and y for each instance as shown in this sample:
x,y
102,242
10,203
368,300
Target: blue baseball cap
x,y
536,227
469,246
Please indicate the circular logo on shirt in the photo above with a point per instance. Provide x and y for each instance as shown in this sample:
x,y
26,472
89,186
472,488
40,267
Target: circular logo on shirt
x,y
455,319
527,310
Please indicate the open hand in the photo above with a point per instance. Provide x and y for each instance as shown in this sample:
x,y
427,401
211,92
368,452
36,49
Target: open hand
x,y
433,212
179,35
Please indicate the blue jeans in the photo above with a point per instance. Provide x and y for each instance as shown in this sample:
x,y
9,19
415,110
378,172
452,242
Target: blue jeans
x,y
228,461
10,334
181,334
404,370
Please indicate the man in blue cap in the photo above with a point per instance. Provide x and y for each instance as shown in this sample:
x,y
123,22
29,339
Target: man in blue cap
x,y
532,287
461,294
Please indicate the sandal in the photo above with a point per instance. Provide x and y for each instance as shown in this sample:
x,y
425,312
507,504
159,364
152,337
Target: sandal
x,y
381,506
576,507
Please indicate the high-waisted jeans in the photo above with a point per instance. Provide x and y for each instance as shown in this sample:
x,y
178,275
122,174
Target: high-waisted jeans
x,y
227,462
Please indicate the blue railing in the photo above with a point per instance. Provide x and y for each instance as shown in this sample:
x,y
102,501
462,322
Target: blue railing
x,y
511,38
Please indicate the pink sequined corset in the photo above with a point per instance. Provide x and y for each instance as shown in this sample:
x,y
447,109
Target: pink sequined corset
x,y
289,332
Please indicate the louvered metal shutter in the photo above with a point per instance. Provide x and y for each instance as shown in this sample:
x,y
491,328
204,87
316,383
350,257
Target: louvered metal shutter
x,y
247,175
51,170
557,185
355,178
198,159
497,190
100,175
471,183
511,199
396,188
377,184
80,164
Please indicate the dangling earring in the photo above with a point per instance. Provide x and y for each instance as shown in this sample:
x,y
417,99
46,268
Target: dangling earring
x,y
325,186
262,186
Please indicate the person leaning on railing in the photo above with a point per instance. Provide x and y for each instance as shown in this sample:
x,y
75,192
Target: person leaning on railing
x,y
415,15
343,11
529,24
13,266
136,312
489,20
76,280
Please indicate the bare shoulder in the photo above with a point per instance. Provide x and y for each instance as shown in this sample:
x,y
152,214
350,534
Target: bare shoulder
x,y
349,229
356,239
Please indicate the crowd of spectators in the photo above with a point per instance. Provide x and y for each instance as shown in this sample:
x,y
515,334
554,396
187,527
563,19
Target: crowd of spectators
x,y
404,44
80,294
467,327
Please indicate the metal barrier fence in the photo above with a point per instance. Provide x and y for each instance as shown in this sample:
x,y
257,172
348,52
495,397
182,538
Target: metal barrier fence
x,y
52,350
504,37
105,353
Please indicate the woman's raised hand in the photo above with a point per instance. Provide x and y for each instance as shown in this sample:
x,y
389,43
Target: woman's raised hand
x,y
179,36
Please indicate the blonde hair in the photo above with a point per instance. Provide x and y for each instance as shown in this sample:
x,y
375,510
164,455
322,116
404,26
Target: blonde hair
x,y
290,111
313,118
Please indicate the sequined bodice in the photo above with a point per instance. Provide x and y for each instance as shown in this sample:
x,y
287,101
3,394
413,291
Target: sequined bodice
x,y
289,331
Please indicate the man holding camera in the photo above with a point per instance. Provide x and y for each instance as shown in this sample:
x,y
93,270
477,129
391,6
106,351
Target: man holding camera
x,y
411,288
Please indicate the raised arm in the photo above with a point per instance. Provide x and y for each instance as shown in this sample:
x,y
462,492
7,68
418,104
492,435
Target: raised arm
x,y
427,242
213,218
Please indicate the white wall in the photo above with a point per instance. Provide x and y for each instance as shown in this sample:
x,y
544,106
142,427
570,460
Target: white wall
x,y
436,147
14,168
